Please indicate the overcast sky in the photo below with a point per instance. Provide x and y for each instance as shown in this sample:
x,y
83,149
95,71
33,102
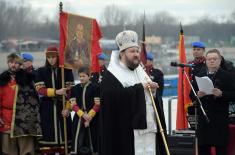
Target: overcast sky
x,y
185,10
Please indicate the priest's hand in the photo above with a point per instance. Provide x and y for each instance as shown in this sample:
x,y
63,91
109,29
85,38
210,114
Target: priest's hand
x,y
152,85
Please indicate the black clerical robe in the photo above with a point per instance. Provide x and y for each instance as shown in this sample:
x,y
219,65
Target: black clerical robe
x,y
122,110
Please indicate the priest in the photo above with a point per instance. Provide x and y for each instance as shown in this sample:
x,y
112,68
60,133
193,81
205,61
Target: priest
x,y
127,118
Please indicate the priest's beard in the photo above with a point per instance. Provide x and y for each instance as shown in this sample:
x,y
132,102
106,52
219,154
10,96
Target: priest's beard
x,y
132,63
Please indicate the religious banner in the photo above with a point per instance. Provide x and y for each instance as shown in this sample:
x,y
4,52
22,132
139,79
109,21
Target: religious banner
x,y
79,42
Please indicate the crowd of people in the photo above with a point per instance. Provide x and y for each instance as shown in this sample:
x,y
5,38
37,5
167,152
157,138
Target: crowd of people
x,y
110,112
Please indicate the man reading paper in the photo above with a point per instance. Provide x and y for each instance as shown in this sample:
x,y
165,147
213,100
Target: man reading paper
x,y
214,133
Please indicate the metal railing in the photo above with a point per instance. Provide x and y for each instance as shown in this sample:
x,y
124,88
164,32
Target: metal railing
x,y
169,114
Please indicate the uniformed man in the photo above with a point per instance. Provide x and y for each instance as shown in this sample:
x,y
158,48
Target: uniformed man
x,y
28,63
199,59
97,76
155,74
199,62
49,86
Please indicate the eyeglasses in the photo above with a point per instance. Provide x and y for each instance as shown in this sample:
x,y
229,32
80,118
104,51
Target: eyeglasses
x,y
210,59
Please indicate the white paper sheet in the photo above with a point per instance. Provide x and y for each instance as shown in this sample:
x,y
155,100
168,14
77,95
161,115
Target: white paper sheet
x,y
205,84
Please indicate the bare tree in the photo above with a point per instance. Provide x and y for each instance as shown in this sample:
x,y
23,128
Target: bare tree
x,y
114,15
164,18
232,17
5,13
22,21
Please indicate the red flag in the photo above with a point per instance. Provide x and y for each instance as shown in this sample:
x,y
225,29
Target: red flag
x,y
79,42
143,54
183,89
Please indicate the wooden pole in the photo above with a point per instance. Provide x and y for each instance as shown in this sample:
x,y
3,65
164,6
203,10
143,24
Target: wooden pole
x,y
61,7
63,86
65,122
159,122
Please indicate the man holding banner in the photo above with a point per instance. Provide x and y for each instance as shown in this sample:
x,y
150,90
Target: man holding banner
x,y
49,87
79,42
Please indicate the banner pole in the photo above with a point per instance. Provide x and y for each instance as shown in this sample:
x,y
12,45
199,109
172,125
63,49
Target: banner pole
x,y
159,122
63,86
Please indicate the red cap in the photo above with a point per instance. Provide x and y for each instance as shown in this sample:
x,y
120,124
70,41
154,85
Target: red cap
x,y
52,49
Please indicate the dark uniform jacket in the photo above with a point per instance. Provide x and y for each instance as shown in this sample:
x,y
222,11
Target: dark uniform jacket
x,y
216,131
198,65
47,81
88,100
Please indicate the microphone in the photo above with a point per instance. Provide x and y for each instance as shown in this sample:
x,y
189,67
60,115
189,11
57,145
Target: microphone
x,y
175,64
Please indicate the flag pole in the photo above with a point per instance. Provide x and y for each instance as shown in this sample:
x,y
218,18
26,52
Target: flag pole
x,y
159,122
182,70
184,74
143,49
63,86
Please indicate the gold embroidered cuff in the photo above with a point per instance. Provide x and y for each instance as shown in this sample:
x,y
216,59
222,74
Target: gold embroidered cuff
x,y
80,113
68,106
92,113
50,92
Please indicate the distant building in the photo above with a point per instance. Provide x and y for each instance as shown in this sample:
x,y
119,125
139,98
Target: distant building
x,y
108,45
153,40
31,45
28,46
38,45
170,42
9,45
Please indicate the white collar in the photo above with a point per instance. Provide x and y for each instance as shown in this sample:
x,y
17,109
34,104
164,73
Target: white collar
x,y
126,76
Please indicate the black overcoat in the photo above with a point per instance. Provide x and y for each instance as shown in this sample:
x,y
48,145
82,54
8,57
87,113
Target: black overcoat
x,y
217,109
